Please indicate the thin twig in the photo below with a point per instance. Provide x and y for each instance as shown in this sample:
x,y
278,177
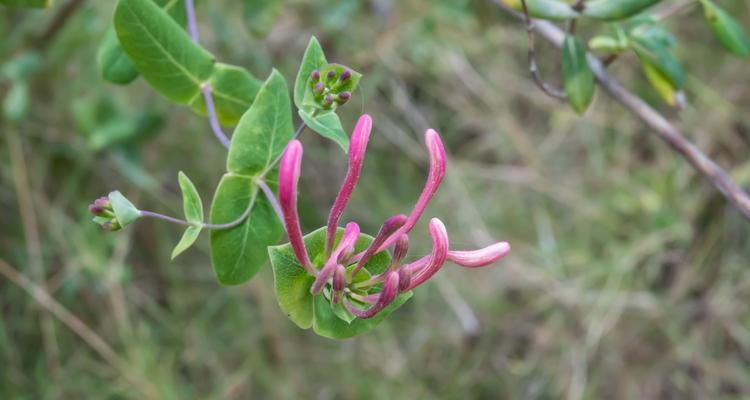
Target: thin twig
x,y
271,199
79,328
533,69
664,129
192,24
212,118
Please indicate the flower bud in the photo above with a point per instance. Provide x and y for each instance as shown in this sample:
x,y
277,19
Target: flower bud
x,y
328,100
315,76
343,97
331,74
319,88
345,75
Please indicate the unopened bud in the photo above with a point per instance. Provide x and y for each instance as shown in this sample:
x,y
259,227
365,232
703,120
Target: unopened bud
x,y
343,97
331,74
103,203
318,88
315,76
328,100
111,226
402,247
345,75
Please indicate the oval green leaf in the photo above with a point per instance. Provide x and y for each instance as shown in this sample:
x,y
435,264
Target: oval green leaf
x,y
292,286
27,3
313,59
263,131
545,9
328,125
114,65
187,240
661,84
237,253
191,200
161,50
579,80
657,54
726,28
613,10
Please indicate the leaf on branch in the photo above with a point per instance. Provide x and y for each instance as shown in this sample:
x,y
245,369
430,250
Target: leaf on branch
x,y
613,10
726,28
264,130
328,125
314,59
237,253
579,80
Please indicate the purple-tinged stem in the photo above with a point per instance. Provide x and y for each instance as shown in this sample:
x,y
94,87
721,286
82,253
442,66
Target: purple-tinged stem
x,y
386,297
437,257
351,234
271,199
289,172
438,165
389,226
151,214
357,147
481,257
192,25
212,118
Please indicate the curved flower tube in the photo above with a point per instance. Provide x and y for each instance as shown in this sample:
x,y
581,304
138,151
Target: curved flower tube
x,y
357,148
289,172
351,234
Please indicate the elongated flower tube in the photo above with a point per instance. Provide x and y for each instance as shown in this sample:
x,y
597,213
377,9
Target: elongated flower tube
x,y
341,269
438,166
351,233
357,148
289,172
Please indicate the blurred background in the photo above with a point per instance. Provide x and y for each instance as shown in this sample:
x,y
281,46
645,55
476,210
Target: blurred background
x,y
629,276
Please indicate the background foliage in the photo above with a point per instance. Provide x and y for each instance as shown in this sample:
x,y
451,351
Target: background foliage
x,y
628,277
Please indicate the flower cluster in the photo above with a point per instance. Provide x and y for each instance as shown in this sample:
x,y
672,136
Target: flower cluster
x,y
331,86
104,215
398,277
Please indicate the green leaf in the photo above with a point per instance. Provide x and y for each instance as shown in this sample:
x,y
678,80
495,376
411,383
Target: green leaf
x,y
237,253
579,80
729,32
263,131
328,125
124,210
657,53
187,240
313,59
545,9
27,3
612,10
662,84
234,90
16,102
191,200
114,65
260,15
292,286
161,50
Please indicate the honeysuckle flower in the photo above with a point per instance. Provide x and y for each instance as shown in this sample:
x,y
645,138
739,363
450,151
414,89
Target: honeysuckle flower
x,y
398,277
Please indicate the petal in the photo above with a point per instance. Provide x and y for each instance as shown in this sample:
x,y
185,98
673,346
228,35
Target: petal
x,y
289,173
481,257
357,148
437,257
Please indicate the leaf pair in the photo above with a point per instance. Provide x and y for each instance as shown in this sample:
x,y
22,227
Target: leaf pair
x,y
292,286
173,64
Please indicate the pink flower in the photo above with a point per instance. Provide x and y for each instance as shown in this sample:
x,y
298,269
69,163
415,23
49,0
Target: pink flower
x,y
397,277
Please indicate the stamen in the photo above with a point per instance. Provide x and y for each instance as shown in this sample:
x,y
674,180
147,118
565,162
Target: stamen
x,y
289,172
385,298
357,147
